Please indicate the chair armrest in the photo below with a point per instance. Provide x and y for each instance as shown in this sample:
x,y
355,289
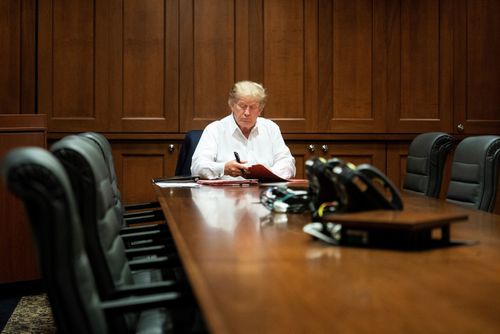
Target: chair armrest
x,y
144,228
140,303
151,288
158,250
141,206
160,262
146,239
146,213
153,234
142,219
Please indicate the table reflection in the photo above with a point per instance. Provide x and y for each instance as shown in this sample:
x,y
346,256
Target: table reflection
x,y
227,208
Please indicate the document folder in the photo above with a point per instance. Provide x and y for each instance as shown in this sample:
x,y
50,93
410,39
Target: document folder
x,y
263,174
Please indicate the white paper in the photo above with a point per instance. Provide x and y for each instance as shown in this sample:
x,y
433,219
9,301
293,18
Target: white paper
x,y
177,184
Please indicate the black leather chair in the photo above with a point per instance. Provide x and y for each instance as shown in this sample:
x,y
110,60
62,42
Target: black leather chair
x,y
38,178
152,228
474,172
101,223
191,139
132,213
425,163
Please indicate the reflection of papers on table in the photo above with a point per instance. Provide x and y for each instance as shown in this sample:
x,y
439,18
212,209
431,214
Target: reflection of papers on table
x,y
221,209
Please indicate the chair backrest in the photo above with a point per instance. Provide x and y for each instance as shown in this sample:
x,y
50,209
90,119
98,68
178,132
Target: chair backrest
x,y
38,178
474,172
425,163
101,223
105,147
183,167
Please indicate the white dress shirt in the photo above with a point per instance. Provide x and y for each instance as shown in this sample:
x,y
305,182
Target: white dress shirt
x,y
222,138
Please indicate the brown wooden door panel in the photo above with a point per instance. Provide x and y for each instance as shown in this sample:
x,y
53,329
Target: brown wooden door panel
x,y
289,34
477,69
108,65
351,66
137,163
17,57
420,67
207,61
67,71
10,56
144,82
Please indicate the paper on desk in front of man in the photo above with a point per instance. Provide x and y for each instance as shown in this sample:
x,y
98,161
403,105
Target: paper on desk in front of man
x,y
228,181
177,184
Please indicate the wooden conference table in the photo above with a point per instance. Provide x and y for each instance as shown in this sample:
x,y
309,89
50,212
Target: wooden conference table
x,y
256,272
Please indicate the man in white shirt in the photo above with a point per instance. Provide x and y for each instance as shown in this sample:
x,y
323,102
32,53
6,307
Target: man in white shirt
x,y
255,139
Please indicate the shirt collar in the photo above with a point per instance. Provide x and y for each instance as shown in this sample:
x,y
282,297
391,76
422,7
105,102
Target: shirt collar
x,y
236,129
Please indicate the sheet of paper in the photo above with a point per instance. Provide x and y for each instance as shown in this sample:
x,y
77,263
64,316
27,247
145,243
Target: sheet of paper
x,y
177,184
228,182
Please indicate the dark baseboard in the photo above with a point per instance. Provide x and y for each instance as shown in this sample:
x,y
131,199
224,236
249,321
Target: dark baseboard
x,y
21,288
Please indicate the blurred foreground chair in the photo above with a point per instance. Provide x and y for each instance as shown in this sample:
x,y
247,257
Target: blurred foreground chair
x,y
155,268
474,173
39,179
191,139
425,163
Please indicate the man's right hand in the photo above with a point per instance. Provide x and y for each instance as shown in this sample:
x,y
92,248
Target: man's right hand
x,y
234,168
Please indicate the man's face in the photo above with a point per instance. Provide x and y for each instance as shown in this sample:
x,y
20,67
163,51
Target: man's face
x,y
245,113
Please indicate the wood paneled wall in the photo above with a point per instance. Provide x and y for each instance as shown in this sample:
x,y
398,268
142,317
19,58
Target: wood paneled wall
x,y
330,66
145,72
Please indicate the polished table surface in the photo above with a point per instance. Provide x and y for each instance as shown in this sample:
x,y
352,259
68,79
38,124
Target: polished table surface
x,y
257,272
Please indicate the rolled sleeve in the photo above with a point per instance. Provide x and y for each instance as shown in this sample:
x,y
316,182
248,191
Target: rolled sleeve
x,y
204,162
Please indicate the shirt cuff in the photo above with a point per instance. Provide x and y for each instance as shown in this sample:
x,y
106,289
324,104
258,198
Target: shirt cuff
x,y
219,169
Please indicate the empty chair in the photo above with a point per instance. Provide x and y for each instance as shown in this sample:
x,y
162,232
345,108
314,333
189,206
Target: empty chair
x,y
129,214
101,222
130,211
38,178
183,167
425,163
474,172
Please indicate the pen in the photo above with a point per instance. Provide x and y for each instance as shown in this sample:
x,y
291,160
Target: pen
x,y
237,156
